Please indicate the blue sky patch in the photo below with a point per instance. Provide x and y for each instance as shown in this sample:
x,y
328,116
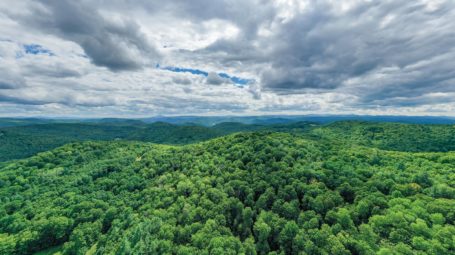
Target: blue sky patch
x,y
185,70
36,49
236,80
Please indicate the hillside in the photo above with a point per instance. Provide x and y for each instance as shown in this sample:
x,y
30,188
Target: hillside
x,y
247,193
391,136
25,141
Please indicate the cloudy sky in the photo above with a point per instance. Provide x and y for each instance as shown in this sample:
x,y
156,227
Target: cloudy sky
x,y
134,58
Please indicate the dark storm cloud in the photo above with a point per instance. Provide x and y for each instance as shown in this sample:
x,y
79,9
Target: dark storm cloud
x,y
118,45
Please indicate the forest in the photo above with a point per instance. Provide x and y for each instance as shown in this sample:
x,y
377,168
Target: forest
x,y
348,187
27,140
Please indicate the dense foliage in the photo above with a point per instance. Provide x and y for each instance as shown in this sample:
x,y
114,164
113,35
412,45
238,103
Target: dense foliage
x,y
392,136
247,193
24,141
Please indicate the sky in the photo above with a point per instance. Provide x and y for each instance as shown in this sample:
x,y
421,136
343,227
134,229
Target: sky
x,y
139,58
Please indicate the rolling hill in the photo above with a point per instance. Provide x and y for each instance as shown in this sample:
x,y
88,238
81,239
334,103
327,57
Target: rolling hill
x,y
24,141
391,136
248,193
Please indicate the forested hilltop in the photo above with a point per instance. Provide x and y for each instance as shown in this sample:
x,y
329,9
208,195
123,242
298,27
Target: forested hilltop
x,y
24,141
264,192
392,136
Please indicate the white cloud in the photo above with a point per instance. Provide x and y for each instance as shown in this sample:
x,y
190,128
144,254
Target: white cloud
x,y
366,57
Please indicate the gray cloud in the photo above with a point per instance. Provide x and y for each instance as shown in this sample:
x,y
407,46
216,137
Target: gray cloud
x,y
115,44
175,105
254,89
247,15
11,80
354,55
181,80
196,105
58,70
290,108
214,79
19,100
323,48
63,97
428,99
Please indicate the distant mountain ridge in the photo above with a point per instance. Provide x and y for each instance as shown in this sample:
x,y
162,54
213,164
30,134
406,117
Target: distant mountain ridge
x,y
214,120
281,119
24,141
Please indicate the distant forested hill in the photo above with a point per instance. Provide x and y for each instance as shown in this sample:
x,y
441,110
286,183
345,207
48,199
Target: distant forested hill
x,y
284,119
24,141
248,193
250,120
392,136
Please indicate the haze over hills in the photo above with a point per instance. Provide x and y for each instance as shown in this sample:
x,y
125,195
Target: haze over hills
x,y
270,119
213,120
